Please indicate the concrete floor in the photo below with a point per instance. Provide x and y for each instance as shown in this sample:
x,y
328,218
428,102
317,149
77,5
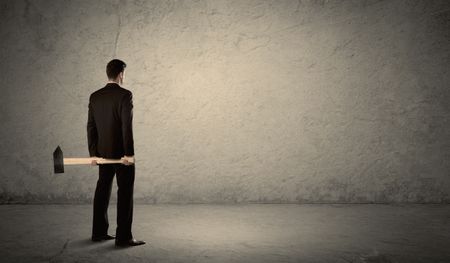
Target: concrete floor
x,y
232,233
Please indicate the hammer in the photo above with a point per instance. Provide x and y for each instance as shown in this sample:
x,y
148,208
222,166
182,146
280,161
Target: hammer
x,y
59,161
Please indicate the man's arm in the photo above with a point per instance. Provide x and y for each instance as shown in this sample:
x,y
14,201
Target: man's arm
x,y
92,134
127,124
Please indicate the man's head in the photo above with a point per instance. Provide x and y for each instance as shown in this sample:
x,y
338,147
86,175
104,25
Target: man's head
x,y
115,69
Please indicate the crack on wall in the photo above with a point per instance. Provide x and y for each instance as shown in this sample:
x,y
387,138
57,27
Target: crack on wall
x,y
119,26
297,8
246,43
26,10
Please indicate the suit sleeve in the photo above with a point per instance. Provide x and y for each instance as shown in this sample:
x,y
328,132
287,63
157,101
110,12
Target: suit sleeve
x,y
92,134
127,124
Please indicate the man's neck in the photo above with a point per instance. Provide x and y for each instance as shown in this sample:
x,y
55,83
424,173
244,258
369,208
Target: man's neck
x,y
113,81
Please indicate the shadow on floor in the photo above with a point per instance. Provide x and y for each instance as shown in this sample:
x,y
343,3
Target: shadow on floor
x,y
87,244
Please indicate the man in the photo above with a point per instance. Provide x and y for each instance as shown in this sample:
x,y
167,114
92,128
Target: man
x,y
110,135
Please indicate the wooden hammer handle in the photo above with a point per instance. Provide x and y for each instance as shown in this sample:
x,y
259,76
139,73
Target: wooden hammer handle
x,y
68,161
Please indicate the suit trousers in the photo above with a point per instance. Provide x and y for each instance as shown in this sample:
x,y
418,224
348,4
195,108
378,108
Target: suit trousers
x,y
125,184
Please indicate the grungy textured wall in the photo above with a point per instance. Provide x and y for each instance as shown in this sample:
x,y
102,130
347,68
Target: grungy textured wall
x,y
234,101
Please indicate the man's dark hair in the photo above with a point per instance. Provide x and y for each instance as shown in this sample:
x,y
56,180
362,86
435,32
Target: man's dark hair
x,y
114,68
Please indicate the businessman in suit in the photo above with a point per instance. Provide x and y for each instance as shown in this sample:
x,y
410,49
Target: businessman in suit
x,y
110,135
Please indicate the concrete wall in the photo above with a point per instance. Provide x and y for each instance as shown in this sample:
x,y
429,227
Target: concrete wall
x,y
234,101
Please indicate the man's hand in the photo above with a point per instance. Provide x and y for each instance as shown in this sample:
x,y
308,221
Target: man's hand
x,y
94,160
126,160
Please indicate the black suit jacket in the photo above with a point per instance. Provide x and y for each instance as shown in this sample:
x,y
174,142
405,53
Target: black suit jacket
x,y
109,126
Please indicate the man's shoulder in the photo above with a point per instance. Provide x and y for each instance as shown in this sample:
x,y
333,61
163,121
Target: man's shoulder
x,y
124,90
98,92
93,94
123,94
115,91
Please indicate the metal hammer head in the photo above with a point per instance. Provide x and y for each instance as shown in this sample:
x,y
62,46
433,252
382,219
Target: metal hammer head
x,y
58,160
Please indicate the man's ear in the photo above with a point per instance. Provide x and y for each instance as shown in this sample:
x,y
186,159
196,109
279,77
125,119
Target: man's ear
x,y
120,77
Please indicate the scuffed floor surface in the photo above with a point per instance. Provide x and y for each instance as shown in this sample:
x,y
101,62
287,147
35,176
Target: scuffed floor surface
x,y
232,233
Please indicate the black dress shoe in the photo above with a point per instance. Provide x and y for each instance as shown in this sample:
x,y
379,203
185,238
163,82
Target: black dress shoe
x,y
130,243
101,238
